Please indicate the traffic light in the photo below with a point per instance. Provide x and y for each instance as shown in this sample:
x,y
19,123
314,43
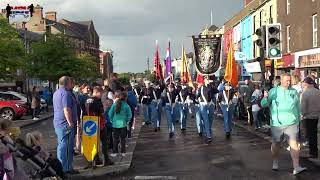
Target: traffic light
x,y
273,48
261,33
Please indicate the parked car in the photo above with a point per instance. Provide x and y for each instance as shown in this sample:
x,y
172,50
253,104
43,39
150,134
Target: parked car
x,y
23,97
12,107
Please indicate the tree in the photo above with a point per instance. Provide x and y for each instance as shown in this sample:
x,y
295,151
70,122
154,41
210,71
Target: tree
x,y
54,58
12,52
125,78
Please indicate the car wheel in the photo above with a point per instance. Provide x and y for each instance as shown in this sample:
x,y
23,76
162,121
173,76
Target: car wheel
x,y
7,113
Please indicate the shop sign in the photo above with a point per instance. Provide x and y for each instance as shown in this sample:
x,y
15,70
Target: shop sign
x,y
311,60
268,63
240,56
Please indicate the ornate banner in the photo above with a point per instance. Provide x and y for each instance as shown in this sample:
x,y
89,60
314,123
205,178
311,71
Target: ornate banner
x,y
207,54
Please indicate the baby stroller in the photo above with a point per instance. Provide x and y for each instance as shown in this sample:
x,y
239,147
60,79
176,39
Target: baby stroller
x,y
43,169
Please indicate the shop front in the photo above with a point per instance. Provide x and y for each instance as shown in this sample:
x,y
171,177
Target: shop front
x,y
285,65
308,63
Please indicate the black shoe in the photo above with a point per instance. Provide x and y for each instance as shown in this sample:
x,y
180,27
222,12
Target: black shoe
x,y
209,140
148,123
183,130
228,135
171,134
200,134
155,130
158,128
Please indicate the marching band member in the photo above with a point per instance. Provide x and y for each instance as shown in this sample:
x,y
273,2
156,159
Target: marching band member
x,y
199,120
145,98
225,100
157,106
169,99
183,106
204,97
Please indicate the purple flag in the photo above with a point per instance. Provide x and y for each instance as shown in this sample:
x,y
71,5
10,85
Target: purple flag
x,y
168,62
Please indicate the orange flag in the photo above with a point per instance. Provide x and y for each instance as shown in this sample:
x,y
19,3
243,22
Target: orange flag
x,y
231,74
185,74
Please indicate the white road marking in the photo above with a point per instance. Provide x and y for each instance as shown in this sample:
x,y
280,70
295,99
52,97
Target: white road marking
x,y
155,177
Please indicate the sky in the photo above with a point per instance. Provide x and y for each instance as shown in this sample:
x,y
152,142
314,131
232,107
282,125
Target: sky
x,y
131,27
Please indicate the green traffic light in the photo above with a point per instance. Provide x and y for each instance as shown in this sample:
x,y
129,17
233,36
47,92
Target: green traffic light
x,y
274,52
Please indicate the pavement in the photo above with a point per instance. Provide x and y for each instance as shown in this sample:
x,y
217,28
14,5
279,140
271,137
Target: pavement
x,y
27,120
121,164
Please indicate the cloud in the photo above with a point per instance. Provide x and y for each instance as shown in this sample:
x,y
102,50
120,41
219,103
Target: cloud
x,y
130,27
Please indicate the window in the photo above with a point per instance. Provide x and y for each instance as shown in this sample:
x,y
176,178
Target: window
x,y
8,97
260,18
315,30
254,31
288,38
288,6
254,23
270,14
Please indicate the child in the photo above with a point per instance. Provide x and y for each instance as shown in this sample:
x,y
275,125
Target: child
x,y
7,165
34,141
120,116
107,106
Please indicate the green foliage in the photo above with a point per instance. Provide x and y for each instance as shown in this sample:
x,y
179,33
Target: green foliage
x,y
12,52
55,58
125,78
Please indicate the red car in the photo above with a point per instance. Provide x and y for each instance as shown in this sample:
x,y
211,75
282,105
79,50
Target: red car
x,y
11,108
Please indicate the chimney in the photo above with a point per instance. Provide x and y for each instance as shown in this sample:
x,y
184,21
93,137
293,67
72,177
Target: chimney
x,y
38,12
51,16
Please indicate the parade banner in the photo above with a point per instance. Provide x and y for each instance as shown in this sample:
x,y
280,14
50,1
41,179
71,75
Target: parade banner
x,y
90,137
207,54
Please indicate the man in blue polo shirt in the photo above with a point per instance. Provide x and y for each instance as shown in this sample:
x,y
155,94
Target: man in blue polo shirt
x,y
64,121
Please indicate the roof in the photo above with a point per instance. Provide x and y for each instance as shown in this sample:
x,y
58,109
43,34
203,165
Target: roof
x,y
78,29
32,36
81,28
62,28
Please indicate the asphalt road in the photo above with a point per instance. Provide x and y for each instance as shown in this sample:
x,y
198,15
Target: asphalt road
x,y
243,157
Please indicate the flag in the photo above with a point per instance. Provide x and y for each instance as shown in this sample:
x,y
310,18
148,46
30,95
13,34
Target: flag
x,y
200,80
157,65
185,74
231,73
168,62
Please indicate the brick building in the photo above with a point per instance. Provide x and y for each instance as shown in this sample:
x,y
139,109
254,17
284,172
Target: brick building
x,y
300,37
106,64
82,34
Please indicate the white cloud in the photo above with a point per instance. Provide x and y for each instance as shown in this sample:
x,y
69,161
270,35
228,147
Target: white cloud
x,y
130,27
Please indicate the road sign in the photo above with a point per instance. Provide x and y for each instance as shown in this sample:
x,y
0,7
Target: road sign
x,y
90,128
90,137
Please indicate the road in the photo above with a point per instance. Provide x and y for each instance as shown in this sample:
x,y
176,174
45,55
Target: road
x,y
244,157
